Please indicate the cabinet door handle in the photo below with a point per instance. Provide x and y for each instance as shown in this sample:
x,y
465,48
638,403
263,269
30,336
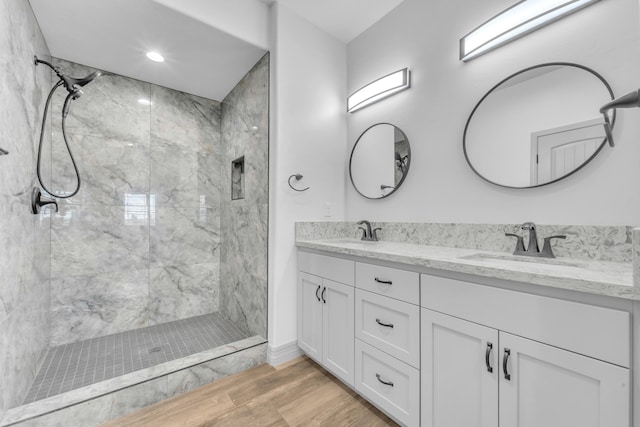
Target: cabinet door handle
x,y
386,325
505,359
389,383
487,356
323,291
384,282
317,293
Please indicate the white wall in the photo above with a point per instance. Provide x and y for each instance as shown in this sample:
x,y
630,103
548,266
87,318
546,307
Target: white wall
x,y
308,136
440,186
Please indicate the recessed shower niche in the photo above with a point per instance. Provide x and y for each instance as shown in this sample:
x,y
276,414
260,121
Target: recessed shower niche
x,y
237,179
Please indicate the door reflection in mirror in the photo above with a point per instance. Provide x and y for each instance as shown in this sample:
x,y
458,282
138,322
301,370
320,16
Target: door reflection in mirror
x,y
537,126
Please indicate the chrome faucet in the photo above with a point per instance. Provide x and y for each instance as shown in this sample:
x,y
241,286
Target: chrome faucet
x,y
532,247
367,233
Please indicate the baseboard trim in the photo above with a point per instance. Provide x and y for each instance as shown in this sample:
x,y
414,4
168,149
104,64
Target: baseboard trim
x,y
282,354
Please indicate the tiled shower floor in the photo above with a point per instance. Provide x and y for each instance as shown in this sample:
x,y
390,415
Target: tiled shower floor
x,y
79,364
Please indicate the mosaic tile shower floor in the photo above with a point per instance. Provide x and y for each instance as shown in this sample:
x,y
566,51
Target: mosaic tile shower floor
x,y
79,364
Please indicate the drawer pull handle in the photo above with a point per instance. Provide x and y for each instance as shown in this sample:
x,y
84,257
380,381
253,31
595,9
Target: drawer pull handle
x,y
322,294
384,282
505,359
389,383
386,325
487,356
317,293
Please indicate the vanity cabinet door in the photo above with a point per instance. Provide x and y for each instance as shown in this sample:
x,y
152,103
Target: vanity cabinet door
x,y
551,387
458,388
310,315
338,330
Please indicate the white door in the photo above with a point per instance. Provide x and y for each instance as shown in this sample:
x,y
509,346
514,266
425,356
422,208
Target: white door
x,y
550,387
310,315
338,334
459,372
557,152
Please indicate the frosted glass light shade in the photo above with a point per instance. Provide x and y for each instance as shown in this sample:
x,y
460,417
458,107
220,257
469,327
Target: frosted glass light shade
x,y
520,19
379,89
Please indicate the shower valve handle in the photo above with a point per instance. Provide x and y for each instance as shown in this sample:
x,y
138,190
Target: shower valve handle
x,y
38,201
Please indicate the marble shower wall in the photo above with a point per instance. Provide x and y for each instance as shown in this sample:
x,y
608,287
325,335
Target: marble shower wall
x,y
244,223
139,244
603,243
24,237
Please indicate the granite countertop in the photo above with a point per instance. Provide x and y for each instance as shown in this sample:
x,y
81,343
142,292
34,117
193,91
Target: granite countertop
x,y
614,279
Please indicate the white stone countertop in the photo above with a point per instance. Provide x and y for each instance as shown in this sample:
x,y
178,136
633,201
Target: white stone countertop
x,y
614,279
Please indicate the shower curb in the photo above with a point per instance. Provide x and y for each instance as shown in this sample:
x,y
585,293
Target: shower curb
x,y
33,411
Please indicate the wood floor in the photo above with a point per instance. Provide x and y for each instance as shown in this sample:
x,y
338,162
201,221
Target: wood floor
x,y
299,393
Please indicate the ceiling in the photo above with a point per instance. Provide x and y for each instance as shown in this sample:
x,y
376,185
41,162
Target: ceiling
x,y
344,19
114,35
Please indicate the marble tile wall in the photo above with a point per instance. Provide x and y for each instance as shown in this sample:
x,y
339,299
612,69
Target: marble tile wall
x,y
140,243
24,238
244,222
604,243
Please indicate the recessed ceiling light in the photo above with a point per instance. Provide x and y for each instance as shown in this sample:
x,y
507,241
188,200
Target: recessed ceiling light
x,y
155,56
143,101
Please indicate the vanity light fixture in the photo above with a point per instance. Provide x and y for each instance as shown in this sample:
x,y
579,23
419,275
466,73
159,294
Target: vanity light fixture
x,y
518,20
143,101
379,89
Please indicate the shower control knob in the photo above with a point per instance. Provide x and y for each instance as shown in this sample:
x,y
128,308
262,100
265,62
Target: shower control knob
x,y
38,201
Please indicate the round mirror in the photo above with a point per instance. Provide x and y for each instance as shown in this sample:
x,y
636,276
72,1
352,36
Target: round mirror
x,y
379,161
538,125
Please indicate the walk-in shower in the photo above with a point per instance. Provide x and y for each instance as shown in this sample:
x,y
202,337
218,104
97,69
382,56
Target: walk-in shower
x,y
157,277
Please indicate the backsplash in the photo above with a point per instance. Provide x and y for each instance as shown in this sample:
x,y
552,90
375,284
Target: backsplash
x,y
604,243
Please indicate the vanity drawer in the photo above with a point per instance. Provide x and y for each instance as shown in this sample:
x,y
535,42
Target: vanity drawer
x,y
400,396
390,325
332,268
404,285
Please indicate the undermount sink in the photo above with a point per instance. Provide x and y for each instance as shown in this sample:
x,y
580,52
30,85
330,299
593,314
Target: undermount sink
x,y
519,258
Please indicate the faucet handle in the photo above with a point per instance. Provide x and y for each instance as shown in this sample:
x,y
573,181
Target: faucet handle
x,y
547,252
519,242
374,234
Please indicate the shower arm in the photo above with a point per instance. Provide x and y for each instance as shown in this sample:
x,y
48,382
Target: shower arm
x,y
70,83
64,79
629,100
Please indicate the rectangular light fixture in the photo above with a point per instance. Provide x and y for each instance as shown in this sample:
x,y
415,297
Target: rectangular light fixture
x,y
379,89
520,19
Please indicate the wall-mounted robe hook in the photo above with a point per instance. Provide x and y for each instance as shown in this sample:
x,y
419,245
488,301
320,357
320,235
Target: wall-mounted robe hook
x,y
298,177
3,152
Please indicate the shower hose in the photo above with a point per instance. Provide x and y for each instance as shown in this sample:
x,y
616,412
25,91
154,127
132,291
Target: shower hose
x,y
65,111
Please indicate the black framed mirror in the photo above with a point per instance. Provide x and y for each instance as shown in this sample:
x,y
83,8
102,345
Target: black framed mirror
x,y
538,126
379,161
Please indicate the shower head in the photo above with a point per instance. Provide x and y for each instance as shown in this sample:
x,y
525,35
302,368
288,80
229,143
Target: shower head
x,y
72,84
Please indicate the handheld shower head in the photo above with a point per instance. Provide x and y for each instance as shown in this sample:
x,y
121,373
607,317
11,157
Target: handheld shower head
x,y
629,100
